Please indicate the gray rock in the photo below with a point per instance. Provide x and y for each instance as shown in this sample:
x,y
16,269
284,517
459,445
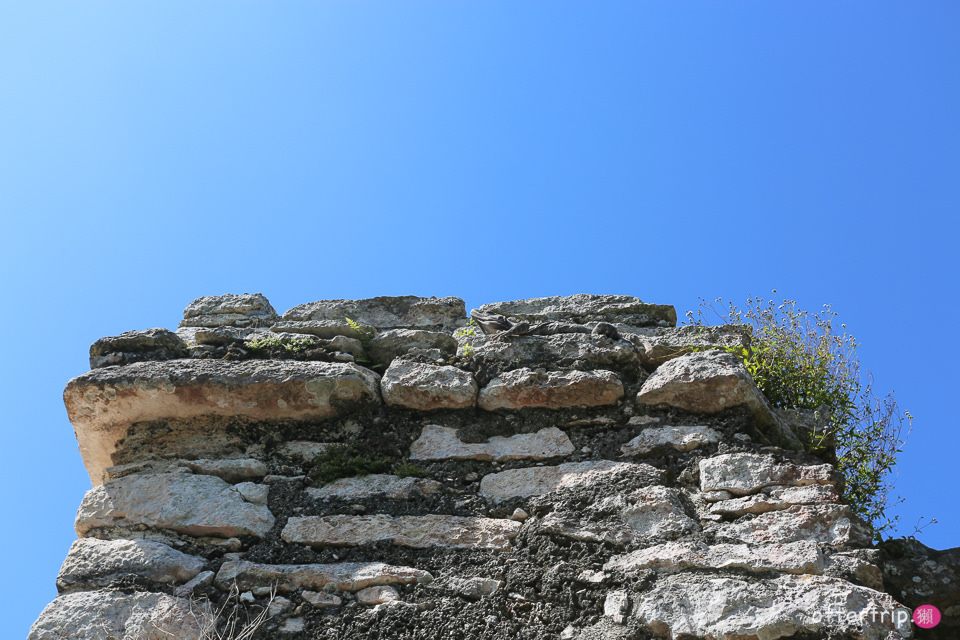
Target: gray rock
x,y
191,504
245,311
670,557
475,588
328,318
709,382
849,567
419,532
377,595
252,492
233,471
585,308
442,443
103,403
109,615
746,473
343,576
322,600
392,343
678,438
303,450
657,346
526,388
832,524
425,387
581,351
92,563
137,346
535,481
774,499
706,606
386,486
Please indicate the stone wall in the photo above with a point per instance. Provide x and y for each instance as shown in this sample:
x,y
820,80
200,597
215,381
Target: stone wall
x,y
383,468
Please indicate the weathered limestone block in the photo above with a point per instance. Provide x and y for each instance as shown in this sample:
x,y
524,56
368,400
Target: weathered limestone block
x,y
137,346
746,473
709,382
583,351
832,524
648,514
657,346
231,470
535,481
617,606
377,595
528,388
94,563
849,567
795,557
654,513
103,403
247,310
776,498
442,443
320,599
705,606
253,492
302,450
192,504
583,308
476,587
328,318
419,532
376,484
392,343
425,387
343,576
678,438
107,615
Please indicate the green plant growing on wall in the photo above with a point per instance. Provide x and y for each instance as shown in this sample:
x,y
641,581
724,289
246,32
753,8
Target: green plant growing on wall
x,y
346,461
290,345
799,361
407,469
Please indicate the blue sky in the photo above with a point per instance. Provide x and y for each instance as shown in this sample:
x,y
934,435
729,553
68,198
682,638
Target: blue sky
x,y
151,153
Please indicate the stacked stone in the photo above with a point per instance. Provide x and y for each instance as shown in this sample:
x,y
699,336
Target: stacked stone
x,y
575,485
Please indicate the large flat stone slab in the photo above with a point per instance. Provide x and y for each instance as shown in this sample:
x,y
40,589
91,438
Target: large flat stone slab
x,y
389,344
703,606
419,532
746,473
328,318
648,514
229,310
425,387
583,308
677,438
137,346
103,403
657,346
795,557
94,563
582,351
528,388
775,499
708,382
342,576
376,484
832,524
192,504
535,481
442,443
103,615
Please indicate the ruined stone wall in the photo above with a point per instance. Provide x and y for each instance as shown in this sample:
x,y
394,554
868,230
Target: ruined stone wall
x,y
383,469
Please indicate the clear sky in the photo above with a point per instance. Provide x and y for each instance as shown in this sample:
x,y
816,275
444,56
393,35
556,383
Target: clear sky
x,y
154,152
